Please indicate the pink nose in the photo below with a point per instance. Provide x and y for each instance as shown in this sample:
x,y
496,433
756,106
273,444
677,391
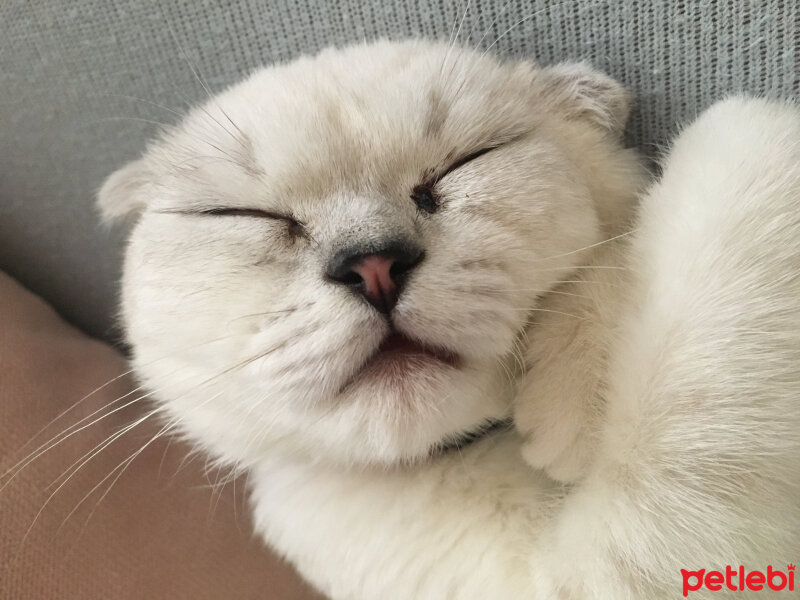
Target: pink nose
x,y
376,272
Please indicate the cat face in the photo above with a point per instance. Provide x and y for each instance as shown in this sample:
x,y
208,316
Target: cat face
x,y
339,256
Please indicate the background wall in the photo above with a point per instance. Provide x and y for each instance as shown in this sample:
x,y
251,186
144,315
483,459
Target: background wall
x,y
84,83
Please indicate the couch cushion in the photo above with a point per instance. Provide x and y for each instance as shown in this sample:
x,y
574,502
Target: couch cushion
x,y
160,533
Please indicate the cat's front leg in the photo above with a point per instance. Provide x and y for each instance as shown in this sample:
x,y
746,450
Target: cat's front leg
x,y
697,466
560,403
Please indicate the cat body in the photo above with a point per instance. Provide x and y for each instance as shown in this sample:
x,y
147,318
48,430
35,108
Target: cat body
x,y
343,265
679,452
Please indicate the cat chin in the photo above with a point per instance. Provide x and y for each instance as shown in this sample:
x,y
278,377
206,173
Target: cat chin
x,y
410,406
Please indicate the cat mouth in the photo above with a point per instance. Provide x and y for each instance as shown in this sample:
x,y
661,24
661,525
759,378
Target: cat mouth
x,y
398,347
399,357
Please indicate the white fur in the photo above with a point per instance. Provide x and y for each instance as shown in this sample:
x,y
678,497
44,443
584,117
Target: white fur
x,y
696,462
661,384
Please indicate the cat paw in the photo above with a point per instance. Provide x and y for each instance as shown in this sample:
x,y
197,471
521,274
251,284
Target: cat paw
x,y
564,454
558,432
559,404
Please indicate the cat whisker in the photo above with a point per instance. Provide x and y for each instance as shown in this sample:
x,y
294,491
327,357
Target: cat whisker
x,y
233,473
186,58
178,166
121,468
160,124
70,472
164,455
235,512
78,464
149,102
547,310
450,43
65,436
486,31
520,22
517,351
599,267
461,23
195,451
608,284
166,430
547,291
170,127
243,139
267,313
83,462
560,281
76,427
584,248
64,412
237,160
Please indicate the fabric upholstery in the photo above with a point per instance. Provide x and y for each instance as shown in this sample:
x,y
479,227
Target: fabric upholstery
x,y
82,81
160,533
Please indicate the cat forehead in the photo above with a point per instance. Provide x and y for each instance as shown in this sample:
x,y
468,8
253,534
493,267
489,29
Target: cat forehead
x,y
409,89
356,116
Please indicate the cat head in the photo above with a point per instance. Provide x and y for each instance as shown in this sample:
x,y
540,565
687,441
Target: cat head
x,y
338,257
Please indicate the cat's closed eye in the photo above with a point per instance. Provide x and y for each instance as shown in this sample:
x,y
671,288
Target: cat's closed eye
x,y
245,212
295,227
424,195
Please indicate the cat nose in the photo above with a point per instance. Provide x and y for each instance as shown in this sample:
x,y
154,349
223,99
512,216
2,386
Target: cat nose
x,y
378,274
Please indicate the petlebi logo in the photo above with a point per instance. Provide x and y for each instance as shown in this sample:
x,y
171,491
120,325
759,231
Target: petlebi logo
x,y
739,579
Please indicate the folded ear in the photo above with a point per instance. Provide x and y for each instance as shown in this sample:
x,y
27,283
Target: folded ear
x,y
125,191
579,91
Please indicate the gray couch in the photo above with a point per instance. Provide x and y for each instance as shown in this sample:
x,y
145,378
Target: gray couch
x,y
83,83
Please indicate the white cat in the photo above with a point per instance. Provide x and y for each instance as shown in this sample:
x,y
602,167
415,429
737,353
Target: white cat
x,y
346,268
